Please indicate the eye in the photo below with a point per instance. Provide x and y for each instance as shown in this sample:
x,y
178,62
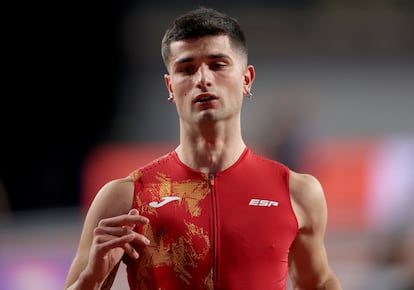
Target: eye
x,y
217,65
188,69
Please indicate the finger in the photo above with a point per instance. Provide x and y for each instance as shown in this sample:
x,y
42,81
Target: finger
x,y
124,220
108,242
129,236
131,251
133,211
114,231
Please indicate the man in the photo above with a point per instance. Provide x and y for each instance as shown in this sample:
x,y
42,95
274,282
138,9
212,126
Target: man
x,y
211,214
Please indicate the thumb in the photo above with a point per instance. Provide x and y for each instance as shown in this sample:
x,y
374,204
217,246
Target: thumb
x,y
133,211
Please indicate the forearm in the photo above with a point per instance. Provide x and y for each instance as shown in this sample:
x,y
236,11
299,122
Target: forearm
x,y
332,283
85,282
329,282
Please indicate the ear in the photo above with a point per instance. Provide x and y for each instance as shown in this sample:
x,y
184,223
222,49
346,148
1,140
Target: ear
x,y
167,81
249,75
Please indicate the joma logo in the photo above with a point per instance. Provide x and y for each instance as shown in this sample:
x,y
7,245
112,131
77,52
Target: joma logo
x,y
263,202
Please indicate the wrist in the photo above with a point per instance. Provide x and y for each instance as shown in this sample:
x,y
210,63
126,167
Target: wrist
x,y
87,281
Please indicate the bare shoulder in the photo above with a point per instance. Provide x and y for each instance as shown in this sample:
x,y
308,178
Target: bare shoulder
x,y
308,198
114,198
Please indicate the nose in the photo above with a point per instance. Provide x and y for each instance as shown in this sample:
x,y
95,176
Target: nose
x,y
203,76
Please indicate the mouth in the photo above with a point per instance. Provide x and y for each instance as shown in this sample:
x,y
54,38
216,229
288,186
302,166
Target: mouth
x,y
205,98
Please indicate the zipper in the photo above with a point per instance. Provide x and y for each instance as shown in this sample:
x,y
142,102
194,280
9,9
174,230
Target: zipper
x,y
211,179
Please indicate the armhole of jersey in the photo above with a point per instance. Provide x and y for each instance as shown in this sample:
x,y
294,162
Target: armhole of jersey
x,y
136,178
290,197
137,188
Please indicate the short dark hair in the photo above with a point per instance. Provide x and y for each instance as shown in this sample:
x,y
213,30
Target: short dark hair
x,y
201,22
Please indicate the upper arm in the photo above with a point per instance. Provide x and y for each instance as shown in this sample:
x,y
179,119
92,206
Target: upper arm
x,y
103,206
308,262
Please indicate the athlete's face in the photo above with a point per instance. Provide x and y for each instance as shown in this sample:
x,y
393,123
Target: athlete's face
x,y
207,79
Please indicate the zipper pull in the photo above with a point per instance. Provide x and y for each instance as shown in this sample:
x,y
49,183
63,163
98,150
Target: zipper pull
x,y
211,179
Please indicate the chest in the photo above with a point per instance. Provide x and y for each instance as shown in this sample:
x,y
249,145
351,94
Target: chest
x,y
199,212
226,229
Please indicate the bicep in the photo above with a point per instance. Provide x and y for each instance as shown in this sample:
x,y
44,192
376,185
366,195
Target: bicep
x,y
308,262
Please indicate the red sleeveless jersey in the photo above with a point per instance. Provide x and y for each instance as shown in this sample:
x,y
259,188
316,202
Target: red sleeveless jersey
x,y
230,230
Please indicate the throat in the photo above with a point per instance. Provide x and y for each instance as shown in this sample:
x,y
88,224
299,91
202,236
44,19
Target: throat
x,y
209,159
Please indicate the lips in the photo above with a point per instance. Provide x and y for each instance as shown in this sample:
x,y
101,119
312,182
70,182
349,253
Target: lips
x,y
205,98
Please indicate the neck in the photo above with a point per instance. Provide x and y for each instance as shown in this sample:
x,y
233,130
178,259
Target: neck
x,y
210,151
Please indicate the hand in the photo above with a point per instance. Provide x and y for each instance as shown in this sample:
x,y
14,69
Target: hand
x,y
111,239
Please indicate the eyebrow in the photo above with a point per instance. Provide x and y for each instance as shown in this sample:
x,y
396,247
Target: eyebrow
x,y
211,56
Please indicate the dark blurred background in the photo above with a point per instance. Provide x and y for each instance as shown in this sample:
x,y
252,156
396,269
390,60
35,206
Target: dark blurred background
x,y
65,65
334,96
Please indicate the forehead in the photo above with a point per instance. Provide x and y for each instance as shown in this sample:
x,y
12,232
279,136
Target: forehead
x,y
201,47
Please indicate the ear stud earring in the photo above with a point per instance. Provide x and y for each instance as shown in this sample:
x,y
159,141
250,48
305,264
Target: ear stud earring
x,y
249,95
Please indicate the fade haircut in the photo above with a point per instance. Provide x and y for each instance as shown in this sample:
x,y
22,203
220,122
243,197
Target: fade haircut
x,y
203,21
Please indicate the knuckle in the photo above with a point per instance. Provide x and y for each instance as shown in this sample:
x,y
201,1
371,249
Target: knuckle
x,y
97,231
